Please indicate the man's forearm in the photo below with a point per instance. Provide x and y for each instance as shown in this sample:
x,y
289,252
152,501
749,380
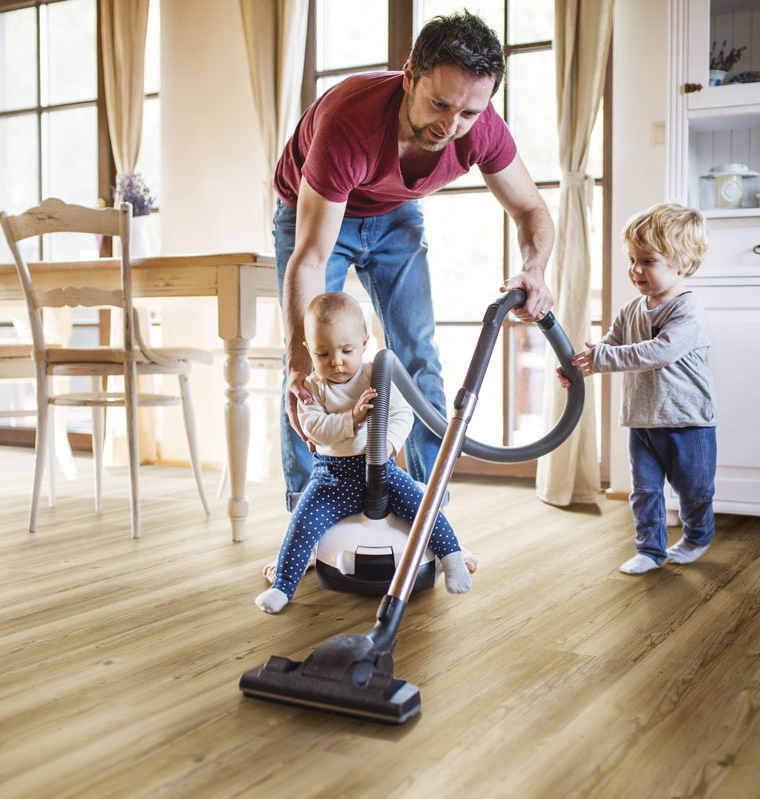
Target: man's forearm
x,y
303,282
535,236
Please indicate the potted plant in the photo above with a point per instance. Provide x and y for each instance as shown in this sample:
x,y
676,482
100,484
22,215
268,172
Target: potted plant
x,y
722,62
133,189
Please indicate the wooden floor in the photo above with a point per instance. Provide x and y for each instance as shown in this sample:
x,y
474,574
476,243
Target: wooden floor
x,y
555,677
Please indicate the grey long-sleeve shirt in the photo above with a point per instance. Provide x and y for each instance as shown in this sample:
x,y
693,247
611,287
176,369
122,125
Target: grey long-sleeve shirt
x,y
663,354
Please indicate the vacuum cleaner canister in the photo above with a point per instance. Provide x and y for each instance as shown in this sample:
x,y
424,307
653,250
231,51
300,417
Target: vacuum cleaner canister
x,y
359,555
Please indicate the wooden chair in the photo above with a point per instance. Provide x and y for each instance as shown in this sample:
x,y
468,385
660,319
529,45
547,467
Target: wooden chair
x,y
17,369
133,358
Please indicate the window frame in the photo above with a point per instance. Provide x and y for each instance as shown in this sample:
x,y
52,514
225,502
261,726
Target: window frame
x,y
22,435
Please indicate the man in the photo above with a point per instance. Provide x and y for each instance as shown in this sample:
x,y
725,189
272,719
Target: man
x,y
348,181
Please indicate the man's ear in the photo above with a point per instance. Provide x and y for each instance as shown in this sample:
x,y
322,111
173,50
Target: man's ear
x,y
408,76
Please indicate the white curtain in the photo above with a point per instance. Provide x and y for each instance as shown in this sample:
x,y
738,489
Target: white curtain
x,y
275,37
583,31
124,25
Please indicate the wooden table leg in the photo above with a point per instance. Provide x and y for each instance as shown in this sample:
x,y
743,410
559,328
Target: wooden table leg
x,y
237,419
236,295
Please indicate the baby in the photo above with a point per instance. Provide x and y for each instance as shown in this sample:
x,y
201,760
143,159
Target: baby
x,y
335,421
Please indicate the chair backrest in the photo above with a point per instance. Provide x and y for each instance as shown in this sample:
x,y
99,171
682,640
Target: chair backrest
x,y
55,216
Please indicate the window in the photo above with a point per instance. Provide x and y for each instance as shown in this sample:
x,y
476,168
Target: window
x,y
54,138
472,242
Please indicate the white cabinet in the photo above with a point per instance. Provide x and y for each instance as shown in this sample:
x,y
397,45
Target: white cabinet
x,y
707,126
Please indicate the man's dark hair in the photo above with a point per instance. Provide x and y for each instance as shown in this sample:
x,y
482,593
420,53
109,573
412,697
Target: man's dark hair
x,y
462,39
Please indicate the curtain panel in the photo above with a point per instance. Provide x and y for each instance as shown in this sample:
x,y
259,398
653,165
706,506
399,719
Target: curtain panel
x,y
124,25
583,32
275,38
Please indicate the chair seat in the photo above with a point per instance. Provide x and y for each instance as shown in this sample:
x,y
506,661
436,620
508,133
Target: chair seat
x,y
94,355
16,348
108,399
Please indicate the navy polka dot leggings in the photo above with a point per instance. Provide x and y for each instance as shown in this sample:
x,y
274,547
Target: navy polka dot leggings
x,y
336,490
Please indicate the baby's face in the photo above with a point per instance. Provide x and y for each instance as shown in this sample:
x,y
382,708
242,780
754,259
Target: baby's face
x,y
336,349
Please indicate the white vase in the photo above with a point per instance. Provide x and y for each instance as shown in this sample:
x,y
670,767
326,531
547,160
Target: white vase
x,y
717,76
140,242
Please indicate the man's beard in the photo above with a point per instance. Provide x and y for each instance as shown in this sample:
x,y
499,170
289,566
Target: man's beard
x,y
422,134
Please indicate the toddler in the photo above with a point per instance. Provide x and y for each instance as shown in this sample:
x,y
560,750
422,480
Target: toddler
x,y
660,341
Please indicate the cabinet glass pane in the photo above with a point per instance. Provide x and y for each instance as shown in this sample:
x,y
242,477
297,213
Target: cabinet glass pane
x,y
71,52
351,34
734,42
18,59
466,237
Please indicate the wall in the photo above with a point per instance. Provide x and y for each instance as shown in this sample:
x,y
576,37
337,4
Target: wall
x,y
638,168
212,174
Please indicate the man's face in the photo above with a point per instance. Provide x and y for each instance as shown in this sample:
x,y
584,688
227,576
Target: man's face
x,y
443,105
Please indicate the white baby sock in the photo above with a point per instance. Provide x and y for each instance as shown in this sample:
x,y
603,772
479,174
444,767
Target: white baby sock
x,y
470,561
639,564
455,573
684,552
272,600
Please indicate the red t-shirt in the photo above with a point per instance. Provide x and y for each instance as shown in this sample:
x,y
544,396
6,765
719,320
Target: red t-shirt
x,y
346,146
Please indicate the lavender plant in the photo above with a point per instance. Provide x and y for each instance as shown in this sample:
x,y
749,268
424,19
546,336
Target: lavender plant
x,y
722,60
133,189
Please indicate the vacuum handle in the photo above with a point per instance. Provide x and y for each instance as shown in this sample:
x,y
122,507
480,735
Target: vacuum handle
x,y
489,334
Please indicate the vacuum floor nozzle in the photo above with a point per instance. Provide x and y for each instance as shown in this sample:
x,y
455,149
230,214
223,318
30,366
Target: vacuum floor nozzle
x,y
346,675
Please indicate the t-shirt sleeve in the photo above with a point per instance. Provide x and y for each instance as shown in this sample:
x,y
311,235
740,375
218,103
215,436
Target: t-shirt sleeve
x,y
337,162
496,148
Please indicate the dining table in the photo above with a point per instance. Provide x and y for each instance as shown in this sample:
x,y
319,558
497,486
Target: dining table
x,y
236,280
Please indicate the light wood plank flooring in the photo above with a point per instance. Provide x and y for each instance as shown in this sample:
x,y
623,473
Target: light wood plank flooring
x,y
556,676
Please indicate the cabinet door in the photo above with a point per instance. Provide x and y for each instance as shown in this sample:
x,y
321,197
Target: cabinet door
x,y
710,23
733,314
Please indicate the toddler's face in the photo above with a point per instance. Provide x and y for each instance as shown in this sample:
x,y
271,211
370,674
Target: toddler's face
x,y
655,276
336,349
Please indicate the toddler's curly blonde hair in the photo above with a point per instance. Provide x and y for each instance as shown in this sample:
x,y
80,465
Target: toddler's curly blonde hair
x,y
677,232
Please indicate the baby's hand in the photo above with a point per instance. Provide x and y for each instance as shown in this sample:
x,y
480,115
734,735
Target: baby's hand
x,y
363,404
564,381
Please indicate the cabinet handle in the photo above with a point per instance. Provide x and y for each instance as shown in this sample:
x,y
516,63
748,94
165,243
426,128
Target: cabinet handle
x,y
756,249
688,88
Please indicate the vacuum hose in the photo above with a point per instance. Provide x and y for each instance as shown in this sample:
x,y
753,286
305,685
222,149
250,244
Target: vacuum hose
x,y
386,367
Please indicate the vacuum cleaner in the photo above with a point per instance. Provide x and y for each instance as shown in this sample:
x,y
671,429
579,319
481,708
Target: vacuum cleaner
x,y
359,554
352,674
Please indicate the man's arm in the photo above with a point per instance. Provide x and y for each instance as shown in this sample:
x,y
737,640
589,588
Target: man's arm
x,y
318,222
516,192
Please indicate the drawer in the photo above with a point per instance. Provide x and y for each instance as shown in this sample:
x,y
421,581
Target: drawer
x,y
731,252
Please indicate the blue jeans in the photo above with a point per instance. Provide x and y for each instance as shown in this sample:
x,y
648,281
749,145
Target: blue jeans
x,y
687,457
389,253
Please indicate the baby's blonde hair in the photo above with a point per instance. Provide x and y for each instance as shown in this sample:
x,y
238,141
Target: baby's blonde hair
x,y
326,308
677,232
